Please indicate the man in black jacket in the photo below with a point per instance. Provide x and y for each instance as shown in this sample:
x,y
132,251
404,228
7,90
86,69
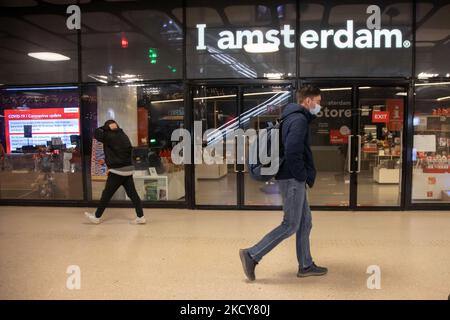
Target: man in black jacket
x,y
117,148
296,172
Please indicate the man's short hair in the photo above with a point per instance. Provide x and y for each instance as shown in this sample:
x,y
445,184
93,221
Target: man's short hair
x,y
307,91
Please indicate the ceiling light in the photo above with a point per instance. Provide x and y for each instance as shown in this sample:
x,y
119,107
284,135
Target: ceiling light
x,y
260,47
274,75
425,75
41,88
48,56
336,89
443,98
432,84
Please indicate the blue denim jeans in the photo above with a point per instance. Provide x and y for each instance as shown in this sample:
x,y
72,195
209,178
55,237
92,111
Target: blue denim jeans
x,y
297,219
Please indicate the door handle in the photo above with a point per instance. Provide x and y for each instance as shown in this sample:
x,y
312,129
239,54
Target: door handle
x,y
239,163
349,154
359,153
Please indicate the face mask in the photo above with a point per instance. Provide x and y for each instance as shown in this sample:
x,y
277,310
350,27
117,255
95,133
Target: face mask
x,y
316,109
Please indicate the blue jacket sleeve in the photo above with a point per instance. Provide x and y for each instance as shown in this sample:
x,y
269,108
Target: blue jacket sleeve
x,y
294,147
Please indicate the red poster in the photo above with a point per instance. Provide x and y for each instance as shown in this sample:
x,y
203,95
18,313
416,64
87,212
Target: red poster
x,y
395,109
380,116
336,137
142,126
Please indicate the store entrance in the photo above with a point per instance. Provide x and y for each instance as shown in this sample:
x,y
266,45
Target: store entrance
x,y
357,143
358,146
217,112
377,155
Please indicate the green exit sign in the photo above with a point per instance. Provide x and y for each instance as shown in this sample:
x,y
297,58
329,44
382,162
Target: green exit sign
x,y
153,55
172,69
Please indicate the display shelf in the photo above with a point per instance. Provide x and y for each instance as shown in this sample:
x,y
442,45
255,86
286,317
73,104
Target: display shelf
x,y
386,176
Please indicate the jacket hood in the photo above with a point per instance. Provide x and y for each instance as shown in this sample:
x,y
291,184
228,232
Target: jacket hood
x,y
294,107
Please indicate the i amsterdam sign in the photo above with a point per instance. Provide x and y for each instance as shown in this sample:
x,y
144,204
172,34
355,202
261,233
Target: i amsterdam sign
x,y
270,40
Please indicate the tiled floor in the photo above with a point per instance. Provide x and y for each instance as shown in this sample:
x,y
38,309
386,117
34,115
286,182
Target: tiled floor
x,y
182,254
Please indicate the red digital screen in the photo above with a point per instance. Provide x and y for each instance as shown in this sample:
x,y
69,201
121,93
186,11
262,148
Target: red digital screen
x,y
46,123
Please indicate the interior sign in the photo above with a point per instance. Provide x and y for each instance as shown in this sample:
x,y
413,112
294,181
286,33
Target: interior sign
x,y
380,116
373,36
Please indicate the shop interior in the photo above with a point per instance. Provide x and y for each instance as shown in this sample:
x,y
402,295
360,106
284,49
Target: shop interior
x,y
40,164
41,134
148,115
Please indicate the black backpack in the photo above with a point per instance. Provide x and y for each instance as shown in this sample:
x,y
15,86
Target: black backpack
x,y
256,168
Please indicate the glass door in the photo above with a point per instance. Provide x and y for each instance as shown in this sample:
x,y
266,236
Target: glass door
x,y
378,145
330,134
262,106
215,115
224,117
358,142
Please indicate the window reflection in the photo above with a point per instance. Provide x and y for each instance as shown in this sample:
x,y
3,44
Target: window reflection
x,y
40,153
125,45
148,114
223,52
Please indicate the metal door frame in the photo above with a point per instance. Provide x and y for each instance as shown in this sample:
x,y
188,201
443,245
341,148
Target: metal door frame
x,y
354,84
240,188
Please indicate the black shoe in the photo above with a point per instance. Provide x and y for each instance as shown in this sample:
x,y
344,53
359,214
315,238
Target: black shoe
x,y
248,264
313,270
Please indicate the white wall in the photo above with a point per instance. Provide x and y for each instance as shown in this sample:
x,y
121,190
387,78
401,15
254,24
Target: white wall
x,y
119,104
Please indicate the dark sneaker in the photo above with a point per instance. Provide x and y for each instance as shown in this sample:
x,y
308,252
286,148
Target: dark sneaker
x,y
248,264
313,270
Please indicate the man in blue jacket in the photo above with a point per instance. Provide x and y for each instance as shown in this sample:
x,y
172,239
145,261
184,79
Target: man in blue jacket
x,y
296,172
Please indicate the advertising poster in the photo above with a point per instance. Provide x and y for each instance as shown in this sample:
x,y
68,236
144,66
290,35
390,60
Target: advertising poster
x,y
395,109
339,136
98,166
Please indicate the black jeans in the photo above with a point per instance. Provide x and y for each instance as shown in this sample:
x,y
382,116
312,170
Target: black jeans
x,y
113,183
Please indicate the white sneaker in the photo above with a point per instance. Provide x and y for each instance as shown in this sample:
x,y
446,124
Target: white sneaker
x,y
92,218
139,221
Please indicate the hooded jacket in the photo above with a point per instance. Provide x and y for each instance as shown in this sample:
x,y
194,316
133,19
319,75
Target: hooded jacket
x,y
298,159
116,146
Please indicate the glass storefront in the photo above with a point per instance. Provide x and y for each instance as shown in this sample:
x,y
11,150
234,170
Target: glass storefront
x,y
40,136
148,114
431,143
381,139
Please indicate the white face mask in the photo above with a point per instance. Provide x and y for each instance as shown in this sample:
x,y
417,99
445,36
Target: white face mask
x,y
316,109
